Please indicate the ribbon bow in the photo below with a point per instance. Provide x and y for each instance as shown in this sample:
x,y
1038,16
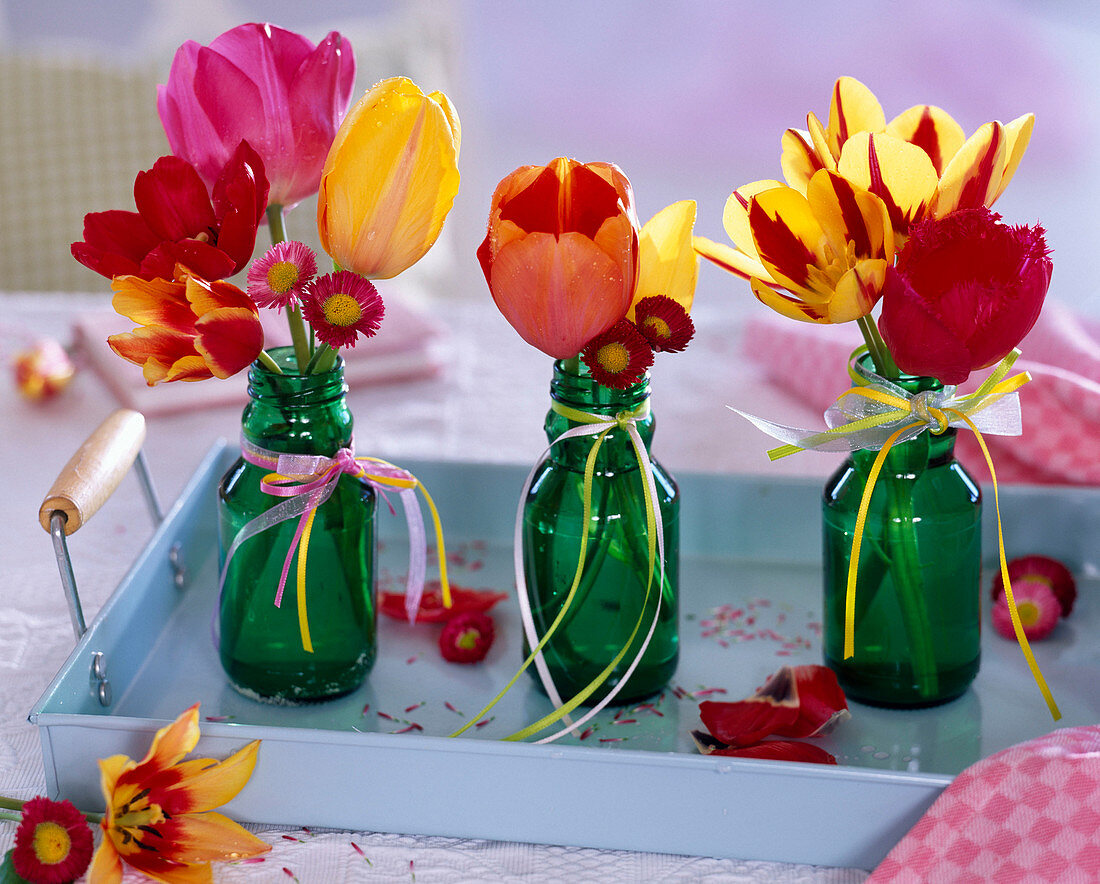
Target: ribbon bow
x,y
875,415
597,426
306,481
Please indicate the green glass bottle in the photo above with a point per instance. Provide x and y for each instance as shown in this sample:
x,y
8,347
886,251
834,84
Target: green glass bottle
x,y
918,585
261,645
612,593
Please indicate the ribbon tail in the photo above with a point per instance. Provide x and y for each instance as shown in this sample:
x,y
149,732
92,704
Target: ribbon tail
x,y
418,553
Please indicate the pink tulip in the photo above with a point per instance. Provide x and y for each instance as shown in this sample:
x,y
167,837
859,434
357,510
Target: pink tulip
x,y
964,292
270,87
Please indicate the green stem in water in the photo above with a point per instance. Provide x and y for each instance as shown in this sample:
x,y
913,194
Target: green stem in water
x,y
276,220
323,360
267,362
876,346
572,364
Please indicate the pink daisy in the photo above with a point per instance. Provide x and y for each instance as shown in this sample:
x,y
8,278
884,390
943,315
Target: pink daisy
x,y
1037,605
278,277
341,306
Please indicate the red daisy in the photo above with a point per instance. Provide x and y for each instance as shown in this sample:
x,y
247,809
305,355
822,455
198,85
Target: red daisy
x,y
341,306
467,637
1046,570
619,357
278,278
1037,605
664,323
53,843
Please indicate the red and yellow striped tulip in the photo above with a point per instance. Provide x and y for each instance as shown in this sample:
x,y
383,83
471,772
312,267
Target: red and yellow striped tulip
x,y
817,257
390,179
920,163
159,818
561,252
189,329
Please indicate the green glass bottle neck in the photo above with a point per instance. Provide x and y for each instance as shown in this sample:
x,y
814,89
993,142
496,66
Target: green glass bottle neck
x,y
916,455
292,413
572,387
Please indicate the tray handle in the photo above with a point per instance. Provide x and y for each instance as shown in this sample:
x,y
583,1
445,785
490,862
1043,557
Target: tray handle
x,y
86,482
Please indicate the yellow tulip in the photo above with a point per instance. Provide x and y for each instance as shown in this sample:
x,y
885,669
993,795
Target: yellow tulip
x,y
667,263
390,179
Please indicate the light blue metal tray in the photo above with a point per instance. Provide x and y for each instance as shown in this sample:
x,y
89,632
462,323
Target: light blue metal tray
x,y
750,603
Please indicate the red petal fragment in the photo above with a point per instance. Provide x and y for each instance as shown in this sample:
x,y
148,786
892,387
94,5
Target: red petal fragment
x,y
431,603
821,702
467,637
747,721
780,750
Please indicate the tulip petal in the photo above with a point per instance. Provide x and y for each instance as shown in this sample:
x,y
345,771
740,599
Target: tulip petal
x,y
919,342
452,118
1017,137
209,838
973,177
853,109
729,258
899,173
849,214
821,702
748,721
114,242
780,750
153,302
199,258
799,160
229,340
735,216
173,200
106,867
931,129
558,293
667,264
820,140
857,291
173,741
205,297
205,784
787,306
787,237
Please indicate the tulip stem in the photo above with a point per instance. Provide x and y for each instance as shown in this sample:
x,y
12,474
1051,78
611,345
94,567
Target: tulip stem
x,y
276,220
876,346
267,362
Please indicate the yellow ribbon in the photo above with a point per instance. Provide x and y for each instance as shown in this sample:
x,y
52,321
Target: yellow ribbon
x,y
623,421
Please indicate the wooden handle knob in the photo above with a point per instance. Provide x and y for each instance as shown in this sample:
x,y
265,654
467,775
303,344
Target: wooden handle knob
x,y
93,473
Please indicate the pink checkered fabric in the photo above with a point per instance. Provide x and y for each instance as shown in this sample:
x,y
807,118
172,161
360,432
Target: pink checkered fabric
x,y
1061,405
1028,813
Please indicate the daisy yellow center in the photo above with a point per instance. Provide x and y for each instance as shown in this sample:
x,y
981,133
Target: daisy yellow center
x,y
282,276
342,309
613,357
51,843
657,328
468,639
1029,613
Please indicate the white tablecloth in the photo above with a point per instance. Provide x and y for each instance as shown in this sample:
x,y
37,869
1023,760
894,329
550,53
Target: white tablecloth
x,y
487,406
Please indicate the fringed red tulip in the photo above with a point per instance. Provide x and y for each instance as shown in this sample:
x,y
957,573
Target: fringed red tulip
x,y
965,291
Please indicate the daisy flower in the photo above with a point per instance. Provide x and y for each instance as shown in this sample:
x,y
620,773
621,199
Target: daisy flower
x,y
618,357
341,306
53,843
664,323
467,637
1037,605
278,278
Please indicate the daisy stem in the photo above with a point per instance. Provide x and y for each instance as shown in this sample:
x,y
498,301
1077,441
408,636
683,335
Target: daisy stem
x,y
572,364
14,817
14,804
267,362
876,346
11,803
276,220
323,360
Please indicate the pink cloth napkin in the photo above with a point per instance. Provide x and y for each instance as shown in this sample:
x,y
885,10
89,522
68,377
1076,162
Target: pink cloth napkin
x,y
1028,813
1061,405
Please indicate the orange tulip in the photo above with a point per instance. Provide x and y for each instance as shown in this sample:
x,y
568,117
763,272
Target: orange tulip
x,y
561,252
390,179
189,329
158,817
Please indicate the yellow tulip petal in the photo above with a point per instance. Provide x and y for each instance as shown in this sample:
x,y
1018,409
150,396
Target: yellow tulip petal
x,y
820,140
799,160
973,177
206,784
851,217
787,236
106,867
931,129
729,258
735,217
858,291
667,264
1017,136
853,109
787,306
452,118
899,173
210,837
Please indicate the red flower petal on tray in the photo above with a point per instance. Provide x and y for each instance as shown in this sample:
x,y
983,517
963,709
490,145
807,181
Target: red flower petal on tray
x,y
780,750
797,701
431,603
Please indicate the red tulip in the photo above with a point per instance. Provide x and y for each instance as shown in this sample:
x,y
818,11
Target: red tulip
x,y
178,222
189,330
965,291
561,252
265,85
